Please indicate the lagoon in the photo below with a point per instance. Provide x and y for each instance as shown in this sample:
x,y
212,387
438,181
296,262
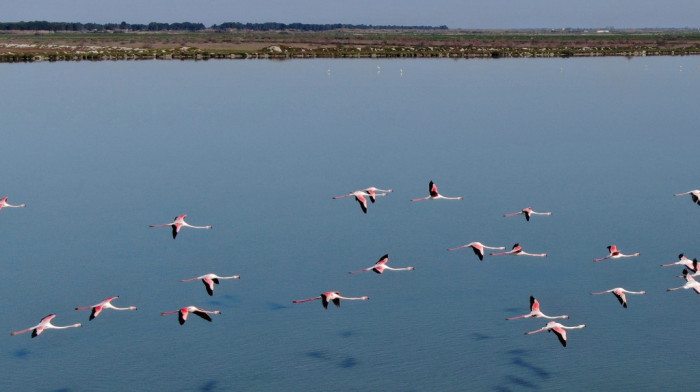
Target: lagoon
x,y
99,151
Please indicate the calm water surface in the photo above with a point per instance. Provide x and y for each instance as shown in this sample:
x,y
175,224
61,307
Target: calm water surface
x,y
257,149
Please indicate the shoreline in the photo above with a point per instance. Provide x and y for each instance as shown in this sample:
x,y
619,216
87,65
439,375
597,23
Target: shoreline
x,y
35,46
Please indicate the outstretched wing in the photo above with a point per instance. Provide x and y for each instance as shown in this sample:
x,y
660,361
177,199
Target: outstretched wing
x,y
209,285
202,315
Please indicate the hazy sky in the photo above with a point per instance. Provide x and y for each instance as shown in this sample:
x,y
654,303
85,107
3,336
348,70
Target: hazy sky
x,y
453,13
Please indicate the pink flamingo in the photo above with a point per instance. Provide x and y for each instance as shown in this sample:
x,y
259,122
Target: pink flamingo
x,y
690,283
615,254
4,203
684,261
527,212
518,251
210,280
106,304
43,325
179,223
380,266
373,192
695,195
361,197
330,296
184,312
619,292
434,194
535,312
558,329
478,248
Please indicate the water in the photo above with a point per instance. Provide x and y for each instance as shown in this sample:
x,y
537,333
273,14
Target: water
x,y
99,151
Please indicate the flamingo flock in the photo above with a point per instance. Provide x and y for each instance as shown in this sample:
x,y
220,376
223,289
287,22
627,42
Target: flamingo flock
x,y
362,196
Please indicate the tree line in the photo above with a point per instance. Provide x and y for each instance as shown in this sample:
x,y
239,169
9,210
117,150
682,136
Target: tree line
x,y
188,26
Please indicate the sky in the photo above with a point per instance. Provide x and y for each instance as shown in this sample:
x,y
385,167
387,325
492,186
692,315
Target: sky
x,y
466,14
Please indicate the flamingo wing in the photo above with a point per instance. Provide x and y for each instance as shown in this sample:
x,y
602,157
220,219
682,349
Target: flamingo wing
x,y
363,202
182,316
534,304
621,297
372,195
324,301
336,302
176,229
378,269
209,285
561,335
202,315
433,189
37,331
695,198
95,312
478,252
383,259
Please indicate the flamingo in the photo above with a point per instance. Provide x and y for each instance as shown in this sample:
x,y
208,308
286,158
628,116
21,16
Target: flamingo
x,y
330,296
518,251
44,324
535,312
106,304
184,312
690,283
179,223
695,195
615,254
434,194
4,203
373,192
361,197
210,280
380,266
558,329
478,248
527,212
684,261
619,292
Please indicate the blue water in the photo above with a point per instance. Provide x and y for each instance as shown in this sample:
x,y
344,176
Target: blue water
x,y
257,149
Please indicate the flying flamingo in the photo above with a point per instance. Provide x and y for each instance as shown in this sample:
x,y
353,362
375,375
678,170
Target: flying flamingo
x,y
380,266
695,195
518,251
434,194
361,197
478,248
44,324
184,312
4,203
684,261
558,329
619,292
527,212
535,312
106,304
373,192
210,280
615,254
690,283
330,296
179,223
